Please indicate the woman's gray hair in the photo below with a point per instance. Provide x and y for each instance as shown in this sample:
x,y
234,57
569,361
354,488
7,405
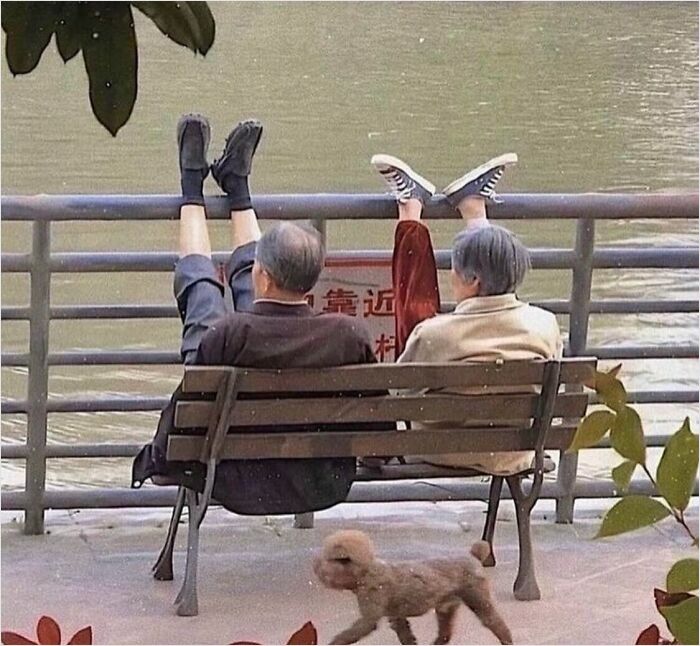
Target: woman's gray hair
x,y
493,255
292,254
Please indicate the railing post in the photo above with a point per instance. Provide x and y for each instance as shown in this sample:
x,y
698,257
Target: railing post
x,y
578,337
321,226
38,380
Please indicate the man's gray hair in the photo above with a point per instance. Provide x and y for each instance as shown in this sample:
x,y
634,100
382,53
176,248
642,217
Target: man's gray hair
x,y
292,254
493,255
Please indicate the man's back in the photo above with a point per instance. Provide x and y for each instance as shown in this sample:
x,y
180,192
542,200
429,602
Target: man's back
x,y
273,336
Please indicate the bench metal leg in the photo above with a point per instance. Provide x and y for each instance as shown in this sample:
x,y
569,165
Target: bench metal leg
x,y
525,587
163,567
186,600
304,521
490,525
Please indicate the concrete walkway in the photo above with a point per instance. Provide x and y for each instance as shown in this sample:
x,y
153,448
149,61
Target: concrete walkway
x,y
256,584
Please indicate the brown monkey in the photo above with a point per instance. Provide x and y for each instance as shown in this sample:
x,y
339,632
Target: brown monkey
x,y
408,589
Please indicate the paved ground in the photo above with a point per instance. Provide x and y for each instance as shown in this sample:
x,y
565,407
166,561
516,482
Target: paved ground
x,y
256,582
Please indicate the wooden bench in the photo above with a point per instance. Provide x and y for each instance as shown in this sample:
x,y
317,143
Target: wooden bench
x,y
534,422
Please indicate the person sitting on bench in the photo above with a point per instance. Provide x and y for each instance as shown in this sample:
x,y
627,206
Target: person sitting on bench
x,y
272,327
488,265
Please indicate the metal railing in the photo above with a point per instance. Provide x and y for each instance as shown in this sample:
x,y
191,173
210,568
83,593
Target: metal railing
x,y
41,264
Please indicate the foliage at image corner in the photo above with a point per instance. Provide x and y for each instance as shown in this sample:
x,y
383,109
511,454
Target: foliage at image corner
x,y
104,32
673,483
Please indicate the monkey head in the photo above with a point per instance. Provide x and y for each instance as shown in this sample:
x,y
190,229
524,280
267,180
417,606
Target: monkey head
x,y
344,560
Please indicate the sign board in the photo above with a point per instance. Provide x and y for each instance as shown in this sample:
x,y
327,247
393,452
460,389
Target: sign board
x,y
362,288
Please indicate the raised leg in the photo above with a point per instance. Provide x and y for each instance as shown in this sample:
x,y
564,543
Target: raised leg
x,y
525,587
163,568
490,525
186,600
304,521
445,619
403,630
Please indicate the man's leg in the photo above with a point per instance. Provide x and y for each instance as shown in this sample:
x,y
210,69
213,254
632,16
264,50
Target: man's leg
x,y
413,268
199,294
231,171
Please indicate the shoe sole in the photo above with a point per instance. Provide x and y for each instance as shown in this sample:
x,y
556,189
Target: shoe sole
x,y
503,160
205,130
254,124
388,161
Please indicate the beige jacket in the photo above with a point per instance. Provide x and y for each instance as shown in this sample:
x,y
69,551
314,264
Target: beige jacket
x,y
485,328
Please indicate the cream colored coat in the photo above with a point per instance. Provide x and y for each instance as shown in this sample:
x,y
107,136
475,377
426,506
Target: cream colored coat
x,y
485,328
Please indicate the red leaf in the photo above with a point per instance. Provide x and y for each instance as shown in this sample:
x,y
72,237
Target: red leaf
x,y
664,599
305,635
48,631
8,637
83,636
649,635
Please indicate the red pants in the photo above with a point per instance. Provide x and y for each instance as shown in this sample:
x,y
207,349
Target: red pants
x,y
414,277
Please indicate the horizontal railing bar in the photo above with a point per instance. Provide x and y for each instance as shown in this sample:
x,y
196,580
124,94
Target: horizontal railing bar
x,y
689,351
157,357
80,312
19,451
360,492
352,206
164,261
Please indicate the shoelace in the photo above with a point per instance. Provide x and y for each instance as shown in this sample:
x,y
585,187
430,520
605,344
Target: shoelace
x,y
401,186
487,190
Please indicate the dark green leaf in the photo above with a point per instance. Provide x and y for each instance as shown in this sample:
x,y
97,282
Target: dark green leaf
x,y
29,27
109,52
69,30
610,389
207,26
622,474
682,620
677,470
591,429
630,513
683,576
627,436
187,25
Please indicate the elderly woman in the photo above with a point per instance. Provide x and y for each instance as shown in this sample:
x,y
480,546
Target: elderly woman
x,y
488,265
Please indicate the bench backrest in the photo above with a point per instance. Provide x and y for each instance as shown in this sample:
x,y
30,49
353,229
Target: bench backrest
x,y
239,398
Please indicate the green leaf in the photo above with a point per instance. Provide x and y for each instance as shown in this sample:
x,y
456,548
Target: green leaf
x,y
627,436
683,576
591,429
29,27
678,467
610,389
682,620
187,23
622,474
630,513
69,29
109,52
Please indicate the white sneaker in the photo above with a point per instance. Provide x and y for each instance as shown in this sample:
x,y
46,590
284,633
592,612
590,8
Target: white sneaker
x,y
404,183
480,181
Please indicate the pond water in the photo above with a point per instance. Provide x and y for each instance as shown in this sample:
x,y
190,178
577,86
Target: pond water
x,y
592,97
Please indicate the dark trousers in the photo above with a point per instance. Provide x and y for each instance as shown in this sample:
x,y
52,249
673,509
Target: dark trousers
x,y
414,278
200,294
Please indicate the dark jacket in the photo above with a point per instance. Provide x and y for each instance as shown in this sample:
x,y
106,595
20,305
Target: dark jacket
x,y
273,335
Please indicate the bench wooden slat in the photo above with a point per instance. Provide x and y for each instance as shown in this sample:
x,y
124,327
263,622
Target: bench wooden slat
x,y
369,443
205,379
381,408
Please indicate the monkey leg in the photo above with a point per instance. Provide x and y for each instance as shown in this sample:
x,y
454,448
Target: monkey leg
x,y
478,599
361,628
445,619
402,628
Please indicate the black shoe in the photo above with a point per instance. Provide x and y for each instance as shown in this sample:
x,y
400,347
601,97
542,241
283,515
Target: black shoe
x,y
481,181
403,182
237,158
193,134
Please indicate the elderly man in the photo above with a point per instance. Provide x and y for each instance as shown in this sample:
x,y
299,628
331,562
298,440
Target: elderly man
x,y
488,265
272,327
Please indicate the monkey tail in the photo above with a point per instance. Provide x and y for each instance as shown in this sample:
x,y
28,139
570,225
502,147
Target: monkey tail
x,y
480,550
